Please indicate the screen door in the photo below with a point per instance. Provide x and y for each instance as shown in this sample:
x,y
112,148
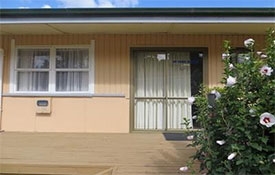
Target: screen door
x,y
162,84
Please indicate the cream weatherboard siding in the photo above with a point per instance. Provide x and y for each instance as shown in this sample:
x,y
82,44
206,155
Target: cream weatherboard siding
x,y
109,109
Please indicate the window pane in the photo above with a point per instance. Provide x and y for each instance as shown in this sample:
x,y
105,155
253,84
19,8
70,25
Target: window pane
x,y
179,83
72,81
72,58
32,81
33,58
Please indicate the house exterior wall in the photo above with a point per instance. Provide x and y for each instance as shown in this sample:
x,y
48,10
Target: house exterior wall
x,y
109,110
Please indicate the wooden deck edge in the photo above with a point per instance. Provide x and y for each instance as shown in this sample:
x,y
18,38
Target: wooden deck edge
x,y
37,169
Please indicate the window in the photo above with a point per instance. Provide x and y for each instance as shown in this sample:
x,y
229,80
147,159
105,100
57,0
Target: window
x,y
72,69
53,70
239,54
32,70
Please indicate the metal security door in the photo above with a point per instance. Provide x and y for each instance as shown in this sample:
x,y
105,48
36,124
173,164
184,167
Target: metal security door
x,y
162,85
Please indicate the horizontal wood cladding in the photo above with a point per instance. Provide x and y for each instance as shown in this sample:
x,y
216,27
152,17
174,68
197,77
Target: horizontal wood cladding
x,y
112,53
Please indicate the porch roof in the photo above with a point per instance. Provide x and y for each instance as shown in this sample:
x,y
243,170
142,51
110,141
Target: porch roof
x,y
137,20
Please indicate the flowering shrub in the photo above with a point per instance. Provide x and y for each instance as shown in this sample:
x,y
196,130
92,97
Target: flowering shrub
x,y
238,130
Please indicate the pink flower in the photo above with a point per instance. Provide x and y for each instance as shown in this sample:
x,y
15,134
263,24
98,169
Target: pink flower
x,y
231,156
267,119
266,70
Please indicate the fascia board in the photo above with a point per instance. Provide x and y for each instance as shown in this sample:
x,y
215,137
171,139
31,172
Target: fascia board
x,y
138,20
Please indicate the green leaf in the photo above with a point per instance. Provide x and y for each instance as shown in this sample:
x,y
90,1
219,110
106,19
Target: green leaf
x,y
264,139
239,162
256,146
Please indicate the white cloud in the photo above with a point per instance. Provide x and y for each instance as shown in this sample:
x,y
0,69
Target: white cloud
x,y
105,3
97,3
26,1
23,7
77,3
46,6
125,3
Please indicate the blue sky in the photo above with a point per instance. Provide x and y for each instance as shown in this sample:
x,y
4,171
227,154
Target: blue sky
x,y
133,3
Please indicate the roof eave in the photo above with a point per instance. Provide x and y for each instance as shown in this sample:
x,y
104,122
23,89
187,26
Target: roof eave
x,y
136,12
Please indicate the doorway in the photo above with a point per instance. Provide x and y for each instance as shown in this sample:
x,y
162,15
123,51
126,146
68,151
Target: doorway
x,y
162,82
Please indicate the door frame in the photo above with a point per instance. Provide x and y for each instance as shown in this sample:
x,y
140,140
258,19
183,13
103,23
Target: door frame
x,y
1,84
204,50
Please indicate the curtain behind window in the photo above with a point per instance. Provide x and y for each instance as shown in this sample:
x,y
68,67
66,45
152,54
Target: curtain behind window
x,y
179,86
32,69
149,112
72,69
158,81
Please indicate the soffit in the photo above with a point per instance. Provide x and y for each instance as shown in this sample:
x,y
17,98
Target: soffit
x,y
19,29
186,28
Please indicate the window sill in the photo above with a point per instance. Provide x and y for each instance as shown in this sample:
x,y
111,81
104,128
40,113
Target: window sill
x,y
69,94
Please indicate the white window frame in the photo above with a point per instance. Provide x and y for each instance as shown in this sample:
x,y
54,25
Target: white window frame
x,y
52,71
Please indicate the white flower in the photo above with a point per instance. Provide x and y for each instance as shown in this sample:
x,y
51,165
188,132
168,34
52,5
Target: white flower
x,y
231,66
190,137
194,117
273,160
231,156
267,119
249,42
184,168
263,56
266,70
220,142
259,52
191,100
216,93
246,57
225,56
230,81
252,112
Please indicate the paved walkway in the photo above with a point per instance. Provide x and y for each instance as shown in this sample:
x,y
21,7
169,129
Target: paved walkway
x,y
97,154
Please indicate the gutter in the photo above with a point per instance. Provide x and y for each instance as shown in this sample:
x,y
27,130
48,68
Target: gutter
x,y
137,15
138,12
